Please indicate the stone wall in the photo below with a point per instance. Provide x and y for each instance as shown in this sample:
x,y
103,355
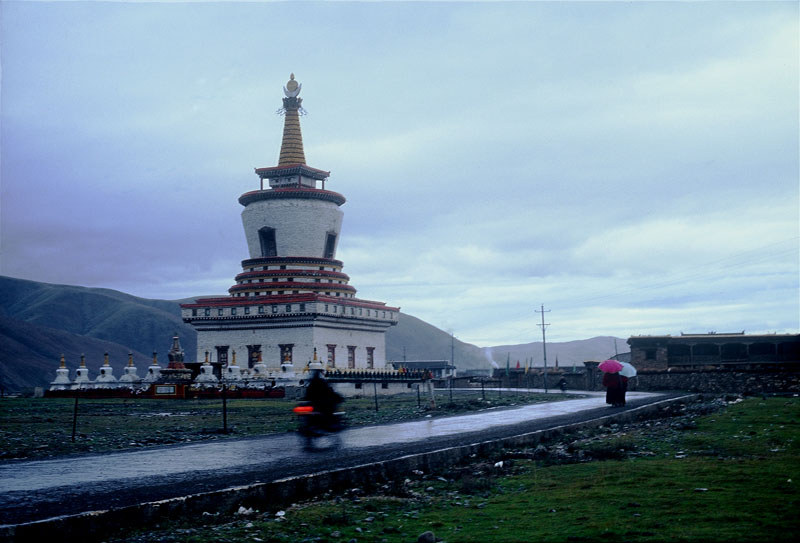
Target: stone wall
x,y
713,381
767,380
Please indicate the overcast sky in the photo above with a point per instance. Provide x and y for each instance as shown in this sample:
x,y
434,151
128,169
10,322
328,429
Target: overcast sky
x,y
631,166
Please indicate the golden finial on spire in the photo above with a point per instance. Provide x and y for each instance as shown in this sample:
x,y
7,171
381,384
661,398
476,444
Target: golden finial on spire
x,y
292,88
63,364
292,143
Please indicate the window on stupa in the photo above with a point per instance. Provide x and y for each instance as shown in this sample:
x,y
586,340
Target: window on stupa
x,y
330,245
268,245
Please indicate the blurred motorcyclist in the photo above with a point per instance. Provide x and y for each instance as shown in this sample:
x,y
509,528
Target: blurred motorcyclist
x,y
323,399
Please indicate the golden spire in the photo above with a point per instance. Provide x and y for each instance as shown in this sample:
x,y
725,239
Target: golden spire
x,y
130,360
63,364
105,357
292,144
83,360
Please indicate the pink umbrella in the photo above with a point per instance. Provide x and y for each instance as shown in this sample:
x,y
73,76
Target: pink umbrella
x,y
610,366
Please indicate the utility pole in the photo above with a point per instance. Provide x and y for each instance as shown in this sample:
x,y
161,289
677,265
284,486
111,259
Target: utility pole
x,y
452,362
544,344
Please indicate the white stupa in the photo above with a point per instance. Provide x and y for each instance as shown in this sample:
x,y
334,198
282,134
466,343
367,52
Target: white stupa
x,y
130,376
106,376
154,371
61,381
82,375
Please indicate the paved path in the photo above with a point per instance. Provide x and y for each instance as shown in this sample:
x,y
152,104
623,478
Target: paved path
x,y
38,489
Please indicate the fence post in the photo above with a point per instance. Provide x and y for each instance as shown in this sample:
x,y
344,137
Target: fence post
x,y
75,415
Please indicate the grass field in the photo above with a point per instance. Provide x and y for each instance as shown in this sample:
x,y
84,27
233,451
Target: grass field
x,y
730,475
43,428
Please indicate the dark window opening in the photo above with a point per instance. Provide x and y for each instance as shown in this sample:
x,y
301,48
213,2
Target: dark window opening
x,y
332,354
330,245
267,237
253,355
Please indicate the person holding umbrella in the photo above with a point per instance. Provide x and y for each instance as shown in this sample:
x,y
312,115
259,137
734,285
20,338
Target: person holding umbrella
x,y
616,384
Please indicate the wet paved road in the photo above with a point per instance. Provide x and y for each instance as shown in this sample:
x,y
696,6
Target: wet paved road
x,y
38,489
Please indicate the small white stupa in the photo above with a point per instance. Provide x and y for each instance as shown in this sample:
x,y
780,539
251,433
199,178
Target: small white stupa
x,y
259,369
62,381
287,368
206,373
130,375
315,364
106,377
234,372
81,374
154,371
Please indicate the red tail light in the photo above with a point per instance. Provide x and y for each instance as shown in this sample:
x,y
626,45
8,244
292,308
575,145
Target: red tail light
x,y
303,409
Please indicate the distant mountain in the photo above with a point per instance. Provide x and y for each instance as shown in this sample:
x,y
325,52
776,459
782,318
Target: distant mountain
x,y
40,321
30,353
567,353
414,339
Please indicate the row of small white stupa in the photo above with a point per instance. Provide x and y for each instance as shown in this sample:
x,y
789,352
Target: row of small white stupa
x,y
106,379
